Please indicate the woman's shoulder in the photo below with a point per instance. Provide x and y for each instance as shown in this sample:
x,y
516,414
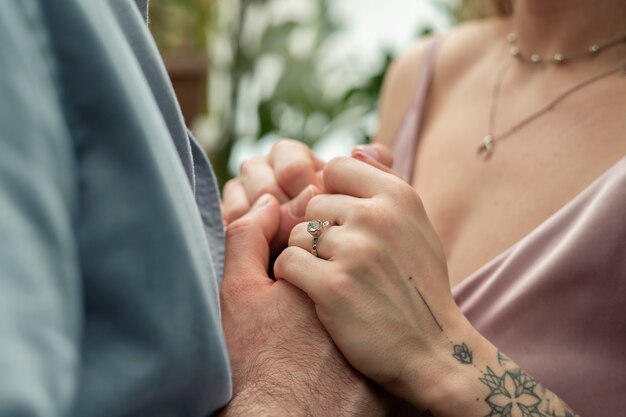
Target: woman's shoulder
x,y
459,50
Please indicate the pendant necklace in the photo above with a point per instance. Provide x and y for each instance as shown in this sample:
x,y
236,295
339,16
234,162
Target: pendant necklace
x,y
486,147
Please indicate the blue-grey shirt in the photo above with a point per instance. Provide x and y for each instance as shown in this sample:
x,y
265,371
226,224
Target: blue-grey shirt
x,y
111,244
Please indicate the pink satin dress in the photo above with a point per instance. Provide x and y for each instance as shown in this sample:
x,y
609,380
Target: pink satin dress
x,y
555,301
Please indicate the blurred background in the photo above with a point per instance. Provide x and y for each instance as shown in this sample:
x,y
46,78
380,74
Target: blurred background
x,y
249,72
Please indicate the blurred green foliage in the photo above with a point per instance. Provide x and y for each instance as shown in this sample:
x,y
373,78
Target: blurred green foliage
x,y
182,24
299,106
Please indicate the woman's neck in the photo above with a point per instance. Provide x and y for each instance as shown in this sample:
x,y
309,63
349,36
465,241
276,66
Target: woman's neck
x,y
567,26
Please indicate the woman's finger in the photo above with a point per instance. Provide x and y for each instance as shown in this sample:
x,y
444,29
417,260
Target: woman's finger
x,y
300,268
327,243
353,177
257,178
368,159
235,202
333,207
376,151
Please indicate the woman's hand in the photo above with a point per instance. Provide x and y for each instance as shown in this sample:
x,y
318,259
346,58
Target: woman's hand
x,y
380,284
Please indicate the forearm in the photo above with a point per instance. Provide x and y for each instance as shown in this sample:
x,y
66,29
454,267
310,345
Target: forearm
x,y
291,402
480,380
263,403
337,393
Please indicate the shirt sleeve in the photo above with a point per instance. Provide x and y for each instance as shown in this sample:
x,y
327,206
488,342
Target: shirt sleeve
x,y
39,274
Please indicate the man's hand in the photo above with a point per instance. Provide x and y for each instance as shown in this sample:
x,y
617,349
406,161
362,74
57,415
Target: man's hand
x,y
293,175
283,361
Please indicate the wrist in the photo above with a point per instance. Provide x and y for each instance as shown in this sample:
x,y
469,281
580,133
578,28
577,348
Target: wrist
x,y
262,401
438,380
334,389
458,390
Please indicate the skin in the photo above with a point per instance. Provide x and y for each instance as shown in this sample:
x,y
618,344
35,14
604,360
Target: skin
x,y
381,289
412,247
292,174
503,200
283,361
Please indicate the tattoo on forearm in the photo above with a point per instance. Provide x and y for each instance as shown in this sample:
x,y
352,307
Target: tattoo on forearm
x,y
503,360
462,354
428,307
512,392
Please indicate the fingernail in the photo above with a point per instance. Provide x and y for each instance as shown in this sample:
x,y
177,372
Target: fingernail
x,y
262,201
362,156
297,207
368,150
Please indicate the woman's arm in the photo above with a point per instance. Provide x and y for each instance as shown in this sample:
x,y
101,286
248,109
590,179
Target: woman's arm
x,y
381,288
480,380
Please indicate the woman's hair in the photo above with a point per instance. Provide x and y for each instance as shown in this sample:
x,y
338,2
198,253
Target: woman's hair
x,y
473,9
504,7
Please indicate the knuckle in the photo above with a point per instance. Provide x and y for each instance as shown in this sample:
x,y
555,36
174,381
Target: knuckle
x,y
232,213
313,204
293,170
399,188
403,195
231,185
338,162
403,190
367,252
337,286
286,257
286,145
414,202
362,212
239,227
296,234
248,166
336,165
267,188
361,253
245,167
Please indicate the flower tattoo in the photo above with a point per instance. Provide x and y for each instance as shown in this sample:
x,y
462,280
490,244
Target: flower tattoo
x,y
511,395
462,354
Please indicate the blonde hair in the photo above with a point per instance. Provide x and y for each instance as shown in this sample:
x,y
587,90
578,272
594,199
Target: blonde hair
x,y
474,9
504,7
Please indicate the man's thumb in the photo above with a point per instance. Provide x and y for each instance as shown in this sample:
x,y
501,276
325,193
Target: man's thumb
x,y
291,214
247,241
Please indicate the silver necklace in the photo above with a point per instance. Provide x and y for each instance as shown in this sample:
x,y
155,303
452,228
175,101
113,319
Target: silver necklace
x,y
487,145
560,58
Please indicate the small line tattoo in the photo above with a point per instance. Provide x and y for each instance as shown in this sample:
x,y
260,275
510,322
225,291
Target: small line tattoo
x,y
429,309
462,354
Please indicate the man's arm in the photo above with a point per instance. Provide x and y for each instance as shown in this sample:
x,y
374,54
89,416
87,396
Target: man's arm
x,y
284,363
39,275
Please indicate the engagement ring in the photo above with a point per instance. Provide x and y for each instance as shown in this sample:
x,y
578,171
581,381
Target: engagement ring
x,y
315,228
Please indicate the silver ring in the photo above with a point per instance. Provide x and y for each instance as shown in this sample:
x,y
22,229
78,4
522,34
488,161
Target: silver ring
x,y
314,246
315,229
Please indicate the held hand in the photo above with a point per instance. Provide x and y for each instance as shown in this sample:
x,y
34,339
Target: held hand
x,y
292,174
284,173
380,284
283,361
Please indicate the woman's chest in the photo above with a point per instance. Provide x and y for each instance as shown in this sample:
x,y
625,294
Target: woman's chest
x,y
480,207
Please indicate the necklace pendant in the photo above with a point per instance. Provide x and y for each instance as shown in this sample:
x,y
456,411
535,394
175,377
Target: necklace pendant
x,y
486,147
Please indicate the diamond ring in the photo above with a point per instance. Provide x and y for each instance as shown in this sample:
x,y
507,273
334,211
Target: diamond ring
x,y
315,228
